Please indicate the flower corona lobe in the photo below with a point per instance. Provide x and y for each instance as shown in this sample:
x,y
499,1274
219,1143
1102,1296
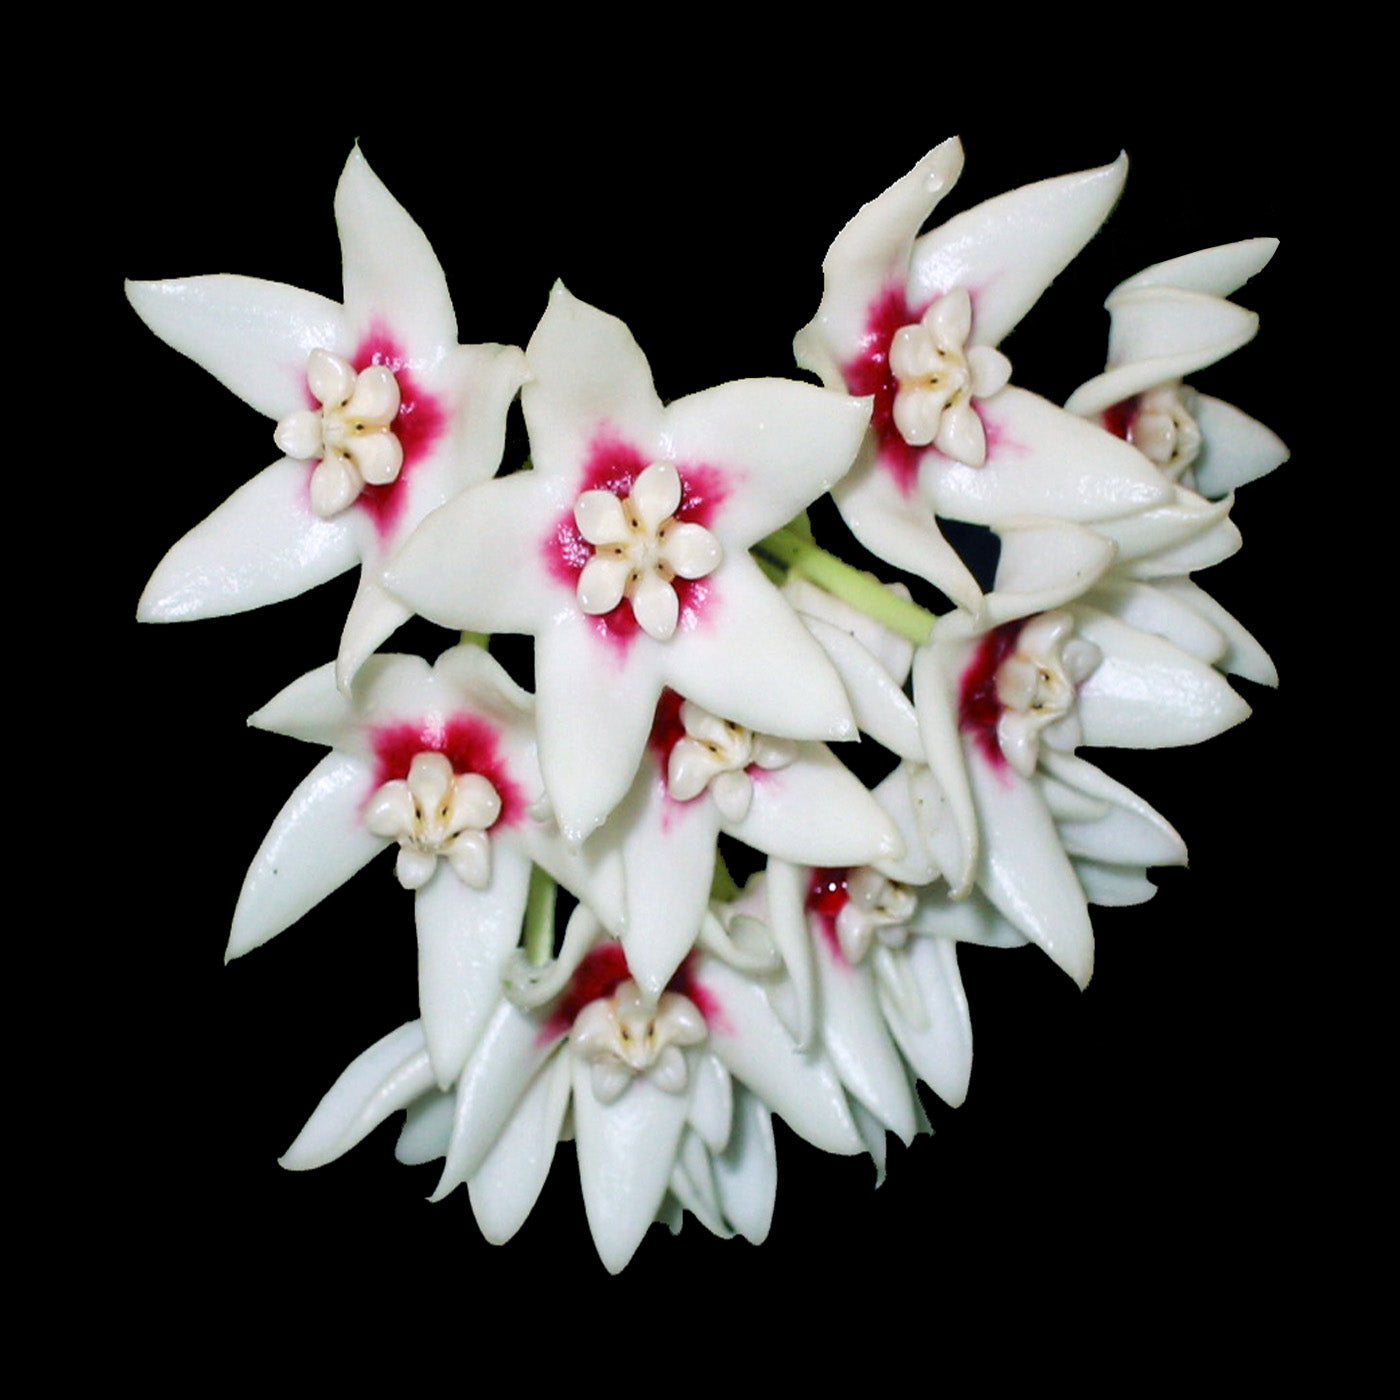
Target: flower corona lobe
x,y
470,744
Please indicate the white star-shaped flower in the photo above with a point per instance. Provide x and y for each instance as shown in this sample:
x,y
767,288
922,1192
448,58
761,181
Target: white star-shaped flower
x,y
381,417
440,762
915,322
625,552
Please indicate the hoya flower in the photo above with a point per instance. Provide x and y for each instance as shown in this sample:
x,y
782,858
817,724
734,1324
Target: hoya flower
x,y
702,775
625,552
1041,831
438,762
380,417
1168,321
915,322
641,1081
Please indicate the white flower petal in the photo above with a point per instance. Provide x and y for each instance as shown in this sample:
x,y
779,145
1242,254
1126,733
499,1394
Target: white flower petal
x,y
746,1172
1042,461
477,562
1129,832
855,1036
316,844
1146,693
903,532
669,856
1024,869
509,1180
878,702
586,371
802,1088
940,1047
1243,655
374,615
252,336
1219,272
626,1150
1043,565
262,545
389,1076
1237,448
751,660
869,255
780,444
816,812
465,937
1007,250
427,1128
391,273
506,1059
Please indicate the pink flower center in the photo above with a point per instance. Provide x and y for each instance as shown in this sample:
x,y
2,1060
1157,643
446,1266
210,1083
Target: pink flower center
x,y
418,424
828,893
614,465
469,743
979,707
603,970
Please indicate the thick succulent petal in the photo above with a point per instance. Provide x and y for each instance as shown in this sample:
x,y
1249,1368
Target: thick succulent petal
x,y
389,1076
878,702
511,1051
1160,611
1041,462
746,1172
1114,886
903,533
253,336
785,889
1147,693
427,1129
374,615
1006,251
1218,272
1024,870
801,1087
262,545
465,937
669,856
815,811
938,1044
626,1150
509,1180
751,660
780,444
595,711
1243,655
1160,335
391,274
587,371
316,844
869,255
1043,565
1187,527
1237,448
855,1036
479,562
312,709
1120,828
945,805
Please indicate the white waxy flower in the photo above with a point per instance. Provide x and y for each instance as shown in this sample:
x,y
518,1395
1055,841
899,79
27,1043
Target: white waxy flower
x,y
717,754
625,552
1169,321
636,1083
915,322
381,417
440,761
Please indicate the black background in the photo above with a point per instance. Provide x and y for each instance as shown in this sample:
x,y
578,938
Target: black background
x,y
1128,1155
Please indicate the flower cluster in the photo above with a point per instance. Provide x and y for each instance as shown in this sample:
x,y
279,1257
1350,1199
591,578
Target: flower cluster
x,y
654,906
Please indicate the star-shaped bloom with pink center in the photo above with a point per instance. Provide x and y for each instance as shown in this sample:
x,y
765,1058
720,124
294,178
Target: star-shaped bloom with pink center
x,y
625,552
381,417
915,322
439,761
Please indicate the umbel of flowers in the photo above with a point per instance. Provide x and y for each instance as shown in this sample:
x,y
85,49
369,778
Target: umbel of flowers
x,y
695,652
